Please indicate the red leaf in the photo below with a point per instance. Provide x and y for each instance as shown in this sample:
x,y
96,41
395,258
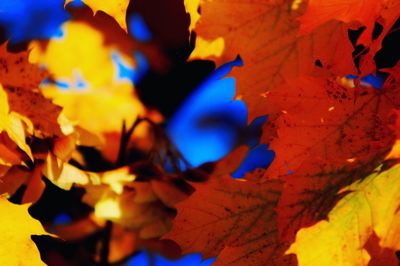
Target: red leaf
x,y
266,35
15,70
328,136
233,220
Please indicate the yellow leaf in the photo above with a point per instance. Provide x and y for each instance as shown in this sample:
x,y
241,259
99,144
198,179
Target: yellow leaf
x,y
16,228
16,131
92,64
91,60
12,124
64,147
63,174
138,208
126,212
370,207
115,8
192,7
4,108
205,49
117,178
107,209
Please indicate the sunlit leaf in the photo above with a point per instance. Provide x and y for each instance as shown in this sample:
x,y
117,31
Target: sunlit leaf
x,y
371,207
116,9
93,83
12,124
41,113
16,227
192,7
266,35
336,134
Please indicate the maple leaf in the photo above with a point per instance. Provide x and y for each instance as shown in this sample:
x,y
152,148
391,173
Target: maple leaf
x,y
27,120
93,81
388,17
318,12
370,208
266,35
203,48
9,152
366,12
12,179
334,135
17,71
141,207
65,175
117,9
12,124
326,131
322,124
20,80
16,227
118,39
91,91
233,220
192,7
41,113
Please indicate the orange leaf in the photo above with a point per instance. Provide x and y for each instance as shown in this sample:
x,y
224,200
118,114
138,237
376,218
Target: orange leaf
x,y
233,220
367,12
266,35
13,179
40,111
168,192
35,186
320,11
16,71
9,156
330,136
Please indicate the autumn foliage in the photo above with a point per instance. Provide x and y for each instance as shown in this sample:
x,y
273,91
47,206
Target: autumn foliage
x,y
252,132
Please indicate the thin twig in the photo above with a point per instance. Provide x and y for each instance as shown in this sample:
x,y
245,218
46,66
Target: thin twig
x,y
124,141
105,244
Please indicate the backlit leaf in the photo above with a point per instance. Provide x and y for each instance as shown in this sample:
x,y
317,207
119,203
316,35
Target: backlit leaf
x,y
16,227
336,134
367,12
371,207
94,86
116,8
266,35
17,71
233,220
